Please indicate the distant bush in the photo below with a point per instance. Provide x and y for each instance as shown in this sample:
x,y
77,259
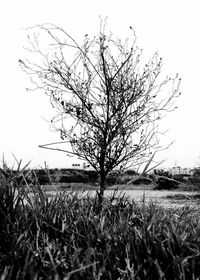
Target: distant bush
x,y
40,172
112,178
181,177
121,178
166,184
131,172
195,180
92,175
145,181
66,176
162,172
196,172
43,180
124,179
74,178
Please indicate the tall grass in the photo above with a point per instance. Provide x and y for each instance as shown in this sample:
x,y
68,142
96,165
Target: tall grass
x,y
65,237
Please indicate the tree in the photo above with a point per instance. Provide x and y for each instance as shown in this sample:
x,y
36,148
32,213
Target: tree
x,y
108,106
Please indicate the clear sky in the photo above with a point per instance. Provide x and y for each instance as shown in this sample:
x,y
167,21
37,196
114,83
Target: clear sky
x,y
169,27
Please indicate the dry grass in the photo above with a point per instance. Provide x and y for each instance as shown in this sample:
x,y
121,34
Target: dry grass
x,y
65,237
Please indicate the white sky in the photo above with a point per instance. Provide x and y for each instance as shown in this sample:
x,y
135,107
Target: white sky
x,y
169,27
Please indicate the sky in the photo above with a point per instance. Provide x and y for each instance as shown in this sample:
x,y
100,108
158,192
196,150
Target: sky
x,y
169,27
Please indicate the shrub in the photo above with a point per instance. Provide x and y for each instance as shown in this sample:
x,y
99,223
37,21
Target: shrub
x,y
93,176
195,180
143,180
117,177
40,172
166,184
64,179
181,177
131,172
112,178
74,178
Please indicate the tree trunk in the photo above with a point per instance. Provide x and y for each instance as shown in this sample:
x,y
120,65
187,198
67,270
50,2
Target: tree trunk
x,y
101,191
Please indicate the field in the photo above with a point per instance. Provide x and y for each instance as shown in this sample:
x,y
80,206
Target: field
x,y
185,194
47,232
164,198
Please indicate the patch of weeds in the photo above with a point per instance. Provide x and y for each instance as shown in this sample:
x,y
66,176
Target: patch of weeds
x,y
65,237
179,197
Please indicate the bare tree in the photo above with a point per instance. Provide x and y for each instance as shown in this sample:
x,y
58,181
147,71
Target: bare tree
x,y
108,102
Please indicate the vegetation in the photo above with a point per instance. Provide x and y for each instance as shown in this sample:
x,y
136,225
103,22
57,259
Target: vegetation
x,y
112,101
164,183
65,237
68,175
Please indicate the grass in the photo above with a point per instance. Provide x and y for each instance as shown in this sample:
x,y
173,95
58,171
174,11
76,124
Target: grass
x,y
65,237
194,197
